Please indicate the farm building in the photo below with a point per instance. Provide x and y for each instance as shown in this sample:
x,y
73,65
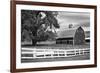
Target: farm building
x,y
87,34
72,36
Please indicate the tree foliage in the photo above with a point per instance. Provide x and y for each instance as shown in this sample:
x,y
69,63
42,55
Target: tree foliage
x,y
34,27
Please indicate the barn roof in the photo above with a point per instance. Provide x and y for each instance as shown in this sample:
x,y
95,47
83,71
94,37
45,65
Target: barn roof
x,y
69,33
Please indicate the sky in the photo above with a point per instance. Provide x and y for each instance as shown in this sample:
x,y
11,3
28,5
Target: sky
x,y
74,18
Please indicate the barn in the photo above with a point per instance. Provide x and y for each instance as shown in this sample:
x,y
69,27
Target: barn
x,y
72,36
87,34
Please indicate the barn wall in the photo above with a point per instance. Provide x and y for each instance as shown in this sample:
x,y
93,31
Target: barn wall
x,y
79,38
65,41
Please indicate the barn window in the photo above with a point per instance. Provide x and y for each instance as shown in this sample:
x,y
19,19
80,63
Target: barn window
x,y
68,42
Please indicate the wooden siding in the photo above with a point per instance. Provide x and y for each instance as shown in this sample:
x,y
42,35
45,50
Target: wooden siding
x,y
77,39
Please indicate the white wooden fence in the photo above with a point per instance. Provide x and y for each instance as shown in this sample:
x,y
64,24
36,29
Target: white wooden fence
x,y
51,53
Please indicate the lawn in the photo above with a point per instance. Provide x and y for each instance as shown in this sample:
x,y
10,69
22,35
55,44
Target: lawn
x,y
56,46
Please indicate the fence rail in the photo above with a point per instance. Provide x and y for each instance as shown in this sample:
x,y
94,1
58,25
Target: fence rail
x,y
51,53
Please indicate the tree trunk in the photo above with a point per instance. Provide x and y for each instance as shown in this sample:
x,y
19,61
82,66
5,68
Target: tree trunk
x,y
34,42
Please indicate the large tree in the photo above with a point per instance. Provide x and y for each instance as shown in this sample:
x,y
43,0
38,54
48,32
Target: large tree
x,y
35,24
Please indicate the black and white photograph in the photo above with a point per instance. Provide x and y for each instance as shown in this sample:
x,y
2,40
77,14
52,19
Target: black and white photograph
x,y
54,36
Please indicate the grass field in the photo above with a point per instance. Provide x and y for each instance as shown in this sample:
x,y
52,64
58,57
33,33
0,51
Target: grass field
x,y
57,46
53,45
74,58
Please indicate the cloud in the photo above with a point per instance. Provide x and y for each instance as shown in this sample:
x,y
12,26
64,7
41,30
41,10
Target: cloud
x,y
75,18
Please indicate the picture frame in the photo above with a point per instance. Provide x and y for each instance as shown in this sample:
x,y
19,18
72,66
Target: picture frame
x,y
76,13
